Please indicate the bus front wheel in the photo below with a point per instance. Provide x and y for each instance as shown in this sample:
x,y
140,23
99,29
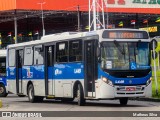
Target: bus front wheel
x,y
123,101
31,96
3,91
80,96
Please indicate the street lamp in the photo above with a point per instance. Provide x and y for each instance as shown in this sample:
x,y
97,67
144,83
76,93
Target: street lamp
x,y
41,3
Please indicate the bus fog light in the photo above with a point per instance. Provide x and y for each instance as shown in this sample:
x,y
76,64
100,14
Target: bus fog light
x,y
109,82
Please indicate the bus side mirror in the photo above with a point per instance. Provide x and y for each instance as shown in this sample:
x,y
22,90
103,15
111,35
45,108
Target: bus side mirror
x,y
154,54
153,44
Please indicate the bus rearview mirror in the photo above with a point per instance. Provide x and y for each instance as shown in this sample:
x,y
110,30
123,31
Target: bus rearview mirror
x,y
154,55
153,44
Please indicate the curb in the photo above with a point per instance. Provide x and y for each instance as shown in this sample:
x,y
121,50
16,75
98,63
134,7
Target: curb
x,y
0,103
147,99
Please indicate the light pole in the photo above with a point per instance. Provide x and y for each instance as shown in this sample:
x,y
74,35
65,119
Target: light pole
x,y
43,30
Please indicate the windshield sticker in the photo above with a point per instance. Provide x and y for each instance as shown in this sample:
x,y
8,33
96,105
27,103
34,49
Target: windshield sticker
x,y
109,64
133,66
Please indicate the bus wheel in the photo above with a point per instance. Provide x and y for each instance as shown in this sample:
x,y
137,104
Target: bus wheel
x,y
31,96
123,101
80,96
3,91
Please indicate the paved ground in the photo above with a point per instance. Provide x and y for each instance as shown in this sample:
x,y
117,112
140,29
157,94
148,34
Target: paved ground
x,y
15,103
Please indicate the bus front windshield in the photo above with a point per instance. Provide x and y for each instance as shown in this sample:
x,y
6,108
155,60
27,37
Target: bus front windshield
x,y
125,55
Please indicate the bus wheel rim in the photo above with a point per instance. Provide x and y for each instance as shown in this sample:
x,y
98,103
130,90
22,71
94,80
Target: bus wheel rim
x,y
78,94
30,93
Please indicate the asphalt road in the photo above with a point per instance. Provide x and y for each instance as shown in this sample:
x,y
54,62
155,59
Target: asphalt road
x,y
21,104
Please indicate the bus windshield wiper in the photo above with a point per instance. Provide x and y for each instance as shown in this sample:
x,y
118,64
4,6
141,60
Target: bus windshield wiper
x,y
119,47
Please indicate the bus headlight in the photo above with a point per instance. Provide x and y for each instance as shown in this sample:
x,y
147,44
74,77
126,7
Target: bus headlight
x,y
106,80
148,81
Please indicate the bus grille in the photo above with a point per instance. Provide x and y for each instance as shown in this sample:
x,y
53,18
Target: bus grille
x,y
133,93
130,90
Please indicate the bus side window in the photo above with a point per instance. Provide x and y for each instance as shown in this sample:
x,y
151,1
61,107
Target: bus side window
x,y
20,58
75,50
28,53
62,52
38,55
11,57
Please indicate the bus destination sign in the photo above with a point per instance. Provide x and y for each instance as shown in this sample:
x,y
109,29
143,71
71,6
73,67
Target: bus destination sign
x,y
125,35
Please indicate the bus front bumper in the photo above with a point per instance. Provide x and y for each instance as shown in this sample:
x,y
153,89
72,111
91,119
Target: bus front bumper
x,y
105,91
133,91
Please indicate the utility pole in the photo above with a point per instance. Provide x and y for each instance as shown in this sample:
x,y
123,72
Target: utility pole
x,y
155,69
79,23
96,7
43,30
15,26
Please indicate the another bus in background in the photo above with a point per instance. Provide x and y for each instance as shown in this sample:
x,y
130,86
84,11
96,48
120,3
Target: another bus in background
x,y
3,83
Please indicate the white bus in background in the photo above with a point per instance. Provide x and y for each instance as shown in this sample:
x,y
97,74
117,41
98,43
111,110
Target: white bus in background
x,y
106,64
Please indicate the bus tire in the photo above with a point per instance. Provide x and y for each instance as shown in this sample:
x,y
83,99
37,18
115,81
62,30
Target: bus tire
x,y
3,92
31,95
80,96
123,101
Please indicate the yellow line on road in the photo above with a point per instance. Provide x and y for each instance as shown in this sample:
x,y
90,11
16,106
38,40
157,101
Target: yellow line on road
x,y
0,103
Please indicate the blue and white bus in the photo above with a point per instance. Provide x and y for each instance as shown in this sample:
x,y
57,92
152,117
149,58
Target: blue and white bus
x,y
106,64
3,82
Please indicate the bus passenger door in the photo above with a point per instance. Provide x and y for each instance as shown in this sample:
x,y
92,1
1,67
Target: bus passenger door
x,y
19,63
90,67
49,69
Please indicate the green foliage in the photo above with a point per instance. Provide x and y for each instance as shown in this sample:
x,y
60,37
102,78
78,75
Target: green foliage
x,y
154,85
157,74
158,47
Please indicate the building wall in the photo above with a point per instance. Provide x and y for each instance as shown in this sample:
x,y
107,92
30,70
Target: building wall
x,y
7,5
129,6
69,5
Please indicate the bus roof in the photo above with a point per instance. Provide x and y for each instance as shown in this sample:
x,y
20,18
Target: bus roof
x,y
3,52
70,35
55,37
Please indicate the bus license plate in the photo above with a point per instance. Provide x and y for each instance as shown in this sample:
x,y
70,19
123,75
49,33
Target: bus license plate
x,y
130,88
